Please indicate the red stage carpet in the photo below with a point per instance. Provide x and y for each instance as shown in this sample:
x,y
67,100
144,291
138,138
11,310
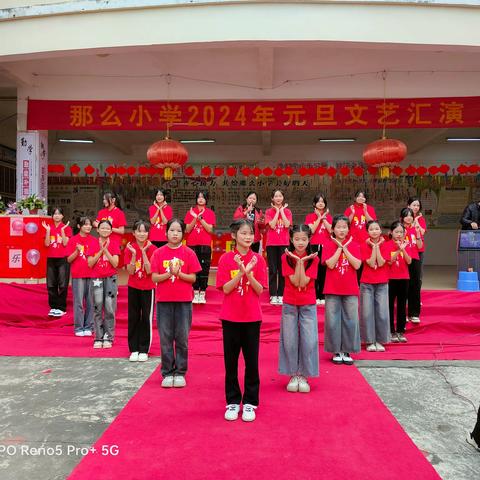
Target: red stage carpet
x,y
341,430
450,327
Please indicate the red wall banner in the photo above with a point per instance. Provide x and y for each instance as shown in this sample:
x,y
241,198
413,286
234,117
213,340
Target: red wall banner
x,y
448,112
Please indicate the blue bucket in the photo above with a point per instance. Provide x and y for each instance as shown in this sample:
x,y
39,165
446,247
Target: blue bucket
x,y
468,282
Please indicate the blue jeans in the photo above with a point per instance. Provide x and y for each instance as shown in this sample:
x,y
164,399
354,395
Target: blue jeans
x,y
174,320
342,331
298,346
82,292
105,305
374,314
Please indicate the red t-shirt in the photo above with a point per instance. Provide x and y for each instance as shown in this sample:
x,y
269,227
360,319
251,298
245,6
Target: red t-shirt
x,y
242,304
140,280
158,232
278,236
56,248
198,235
254,217
398,269
103,268
411,239
116,218
342,279
293,295
320,235
174,289
79,267
423,224
377,274
358,225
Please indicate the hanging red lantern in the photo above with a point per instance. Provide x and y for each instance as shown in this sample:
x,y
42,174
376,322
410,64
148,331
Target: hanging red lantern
x,y
372,170
131,171
358,171
410,170
444,168
433,170
169,155
268,172
61,169
121,171
331,171
89,169
311,171
143,170
344,171
52,168
421,171
473,169
384,153
462,169
206,171
74,169
218,171
397,170
278,172
289,171
189,171
321,171
303,171
257,171
111,170
246,171
231,171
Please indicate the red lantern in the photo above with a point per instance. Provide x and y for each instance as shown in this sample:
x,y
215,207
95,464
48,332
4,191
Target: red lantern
x,y
231,171
321,171
121,171
168,154
246,171
131,171
206,171
189,171
344,171
372,170
61,169
397,170
52,169
473,169
421,171
358,171
289,171
111,170
278,172
384,153
89,169
444,169
257,171
331,172
411,170
268,172
433,170
74,169
303,171
462,169
311,171
218,171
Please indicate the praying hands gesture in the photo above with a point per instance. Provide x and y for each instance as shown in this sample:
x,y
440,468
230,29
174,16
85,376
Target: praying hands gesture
x,y
372,244
192,213
340,243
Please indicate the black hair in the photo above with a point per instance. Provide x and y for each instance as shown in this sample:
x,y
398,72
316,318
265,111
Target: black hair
x,y
110,197
236,225
139,223
55,209
358,192
278,190
394,225
302,228
105,221
319,196
162,191
370,222
204,194
180,222
414,199
244,205
338,218
81,221
405,212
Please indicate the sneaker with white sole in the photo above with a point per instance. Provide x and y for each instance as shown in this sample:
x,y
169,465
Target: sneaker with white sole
x,y
337,359
394,338
380,347
415,319
79,333
371,347
196,296
347,359
142,357
320,301
107,344
167,382
179,381
201,298
51,313
55,312
279,300
293,384
87,333
231,413
273,300
133,357
248,413
303,385
97,344
402,338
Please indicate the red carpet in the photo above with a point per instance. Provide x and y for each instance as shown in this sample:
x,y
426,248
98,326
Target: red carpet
x,y
341,430
450,327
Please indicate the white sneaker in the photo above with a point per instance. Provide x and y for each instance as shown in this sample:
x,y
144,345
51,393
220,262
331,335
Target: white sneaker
x,y
273,300
179,381
167,382
79,333
347,359
97,344
380,347
57,313
303,385
337,359
51,312
142,357
372,347
133,357
248,413
232,412
415,319
87,333
293,384
322,301
279,300
201,298
196,296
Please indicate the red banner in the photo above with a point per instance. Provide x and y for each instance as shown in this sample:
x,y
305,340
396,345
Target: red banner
x,y
449,112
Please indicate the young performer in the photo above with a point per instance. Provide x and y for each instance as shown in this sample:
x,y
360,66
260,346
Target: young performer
x,y
114,215
359,213
251,212
159,213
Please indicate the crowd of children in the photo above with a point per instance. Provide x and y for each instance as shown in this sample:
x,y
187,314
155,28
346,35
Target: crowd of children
x,y
344,262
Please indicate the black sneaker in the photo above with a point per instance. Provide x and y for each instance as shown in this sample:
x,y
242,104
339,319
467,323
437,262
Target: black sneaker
x,y
347,359
337,359
394,338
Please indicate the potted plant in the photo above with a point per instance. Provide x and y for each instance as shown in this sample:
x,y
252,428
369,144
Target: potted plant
x,y
32,204
2,206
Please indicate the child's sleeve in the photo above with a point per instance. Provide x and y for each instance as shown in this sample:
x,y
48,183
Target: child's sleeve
x,y
327,252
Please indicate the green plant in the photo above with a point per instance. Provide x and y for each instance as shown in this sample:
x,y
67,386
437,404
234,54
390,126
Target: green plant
x,y
2,205
32,203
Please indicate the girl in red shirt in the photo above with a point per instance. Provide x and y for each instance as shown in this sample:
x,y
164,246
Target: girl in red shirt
x,y
174,269
251,212
140,292
299,330
374,320
399,258
416,269
103,260
159,213
342,258
58,269
200,222
114,215
359,213
320,223
242,277
79,247
278,219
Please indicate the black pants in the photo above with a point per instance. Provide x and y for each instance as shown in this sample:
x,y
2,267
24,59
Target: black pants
x,y
158,243
398,289
476,429
245,337
140,314
255,247
58,276
414,288
204,255
321,272
276,281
